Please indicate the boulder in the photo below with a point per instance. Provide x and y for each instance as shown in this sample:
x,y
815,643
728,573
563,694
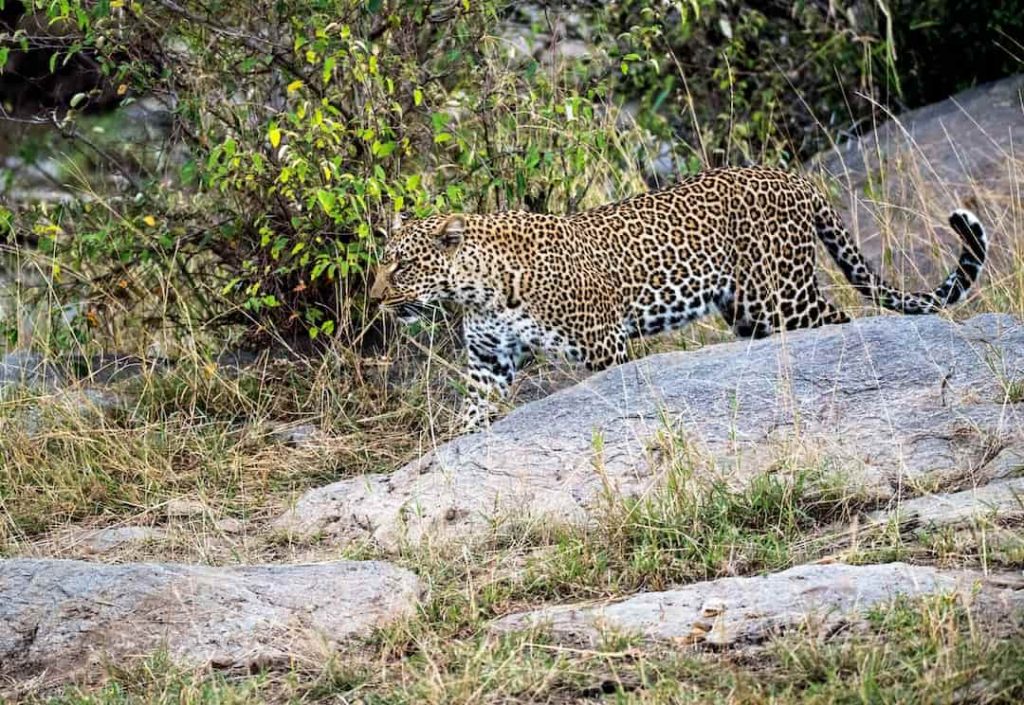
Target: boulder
x,y
68,618
896,403
736,612
900,181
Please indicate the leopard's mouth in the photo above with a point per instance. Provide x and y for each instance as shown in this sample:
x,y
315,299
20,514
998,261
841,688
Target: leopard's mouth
x,y
410,312
406,311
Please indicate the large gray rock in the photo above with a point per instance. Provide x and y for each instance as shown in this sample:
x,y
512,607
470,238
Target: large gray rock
x,y
900,182
1002,500
744,611
895,402
61,618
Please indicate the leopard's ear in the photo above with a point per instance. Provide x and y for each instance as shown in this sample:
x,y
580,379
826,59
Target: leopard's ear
x,y
450,233
396,222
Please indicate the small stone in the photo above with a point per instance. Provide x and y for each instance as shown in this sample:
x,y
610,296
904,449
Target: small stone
x,y
185,508
712,608
698,633
297,436
100,541
229,525
94,400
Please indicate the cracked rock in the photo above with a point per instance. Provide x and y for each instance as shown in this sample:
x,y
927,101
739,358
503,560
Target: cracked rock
x,y
61,619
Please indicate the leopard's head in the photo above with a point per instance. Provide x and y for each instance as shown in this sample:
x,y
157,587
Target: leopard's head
x,y
417,267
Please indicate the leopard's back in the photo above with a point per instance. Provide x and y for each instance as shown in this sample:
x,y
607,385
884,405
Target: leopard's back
x,y
734,239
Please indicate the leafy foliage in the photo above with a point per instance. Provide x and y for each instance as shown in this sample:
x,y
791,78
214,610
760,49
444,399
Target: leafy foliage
x,y
299,128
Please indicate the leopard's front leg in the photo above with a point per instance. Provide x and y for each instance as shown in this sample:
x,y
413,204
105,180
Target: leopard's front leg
x,y
492,351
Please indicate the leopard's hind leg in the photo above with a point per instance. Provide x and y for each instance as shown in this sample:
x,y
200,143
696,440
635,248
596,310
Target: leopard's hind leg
x,y
809,309
750,317
746,315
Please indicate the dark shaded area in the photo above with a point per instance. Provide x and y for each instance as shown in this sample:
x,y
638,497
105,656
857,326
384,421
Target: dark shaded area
x,y
773,76
945,46
28,88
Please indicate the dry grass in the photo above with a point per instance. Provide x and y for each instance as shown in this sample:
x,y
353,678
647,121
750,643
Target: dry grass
x,y
239,442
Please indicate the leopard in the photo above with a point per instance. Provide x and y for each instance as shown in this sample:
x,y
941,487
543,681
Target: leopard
x,y
739,241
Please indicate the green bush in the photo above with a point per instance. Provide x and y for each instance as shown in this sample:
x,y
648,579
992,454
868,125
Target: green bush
x,y
299,128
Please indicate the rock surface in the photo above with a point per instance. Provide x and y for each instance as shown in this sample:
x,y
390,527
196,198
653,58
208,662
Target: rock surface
x,y
1002,500
182,508
896,402
901,181
59,618
743,611
29,369
298,436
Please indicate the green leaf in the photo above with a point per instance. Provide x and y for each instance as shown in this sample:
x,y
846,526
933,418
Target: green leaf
x,y
382,149
328,72
230,286
327,201
319,267
6,222
532,157
439,120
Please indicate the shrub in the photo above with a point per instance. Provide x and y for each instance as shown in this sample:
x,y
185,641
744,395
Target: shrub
x,y
298,128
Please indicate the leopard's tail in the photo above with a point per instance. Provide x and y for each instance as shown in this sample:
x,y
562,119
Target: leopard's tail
x,y
840,246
